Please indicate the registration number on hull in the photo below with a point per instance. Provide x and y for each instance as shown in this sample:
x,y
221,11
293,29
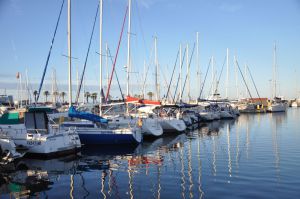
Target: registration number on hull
x,y
34,142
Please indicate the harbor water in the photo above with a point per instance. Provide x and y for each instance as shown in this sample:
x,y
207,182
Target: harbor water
x,y
253,156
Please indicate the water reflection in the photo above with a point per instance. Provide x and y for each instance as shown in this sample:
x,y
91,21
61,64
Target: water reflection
x,y
173,166
33,177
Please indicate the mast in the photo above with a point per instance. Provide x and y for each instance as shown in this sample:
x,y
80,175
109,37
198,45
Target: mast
x,y
236,77
227,72
180,71
188,71
156,69
77,79
144,85
52,86
83,93
198,63
212,75
128,46
245,79
28,101
21,92
106,63
274,71
69,53
100,52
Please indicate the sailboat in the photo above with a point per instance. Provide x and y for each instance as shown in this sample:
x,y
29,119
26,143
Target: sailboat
x,y
94,129
149,126
277,104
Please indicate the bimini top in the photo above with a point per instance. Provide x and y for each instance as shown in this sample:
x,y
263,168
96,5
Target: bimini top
x,y
86,116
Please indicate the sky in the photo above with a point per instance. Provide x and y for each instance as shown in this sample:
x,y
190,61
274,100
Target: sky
x,y
248,28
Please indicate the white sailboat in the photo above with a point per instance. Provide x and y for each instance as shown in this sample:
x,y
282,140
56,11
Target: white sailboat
x,y
149,126
277,105
93,129
169,123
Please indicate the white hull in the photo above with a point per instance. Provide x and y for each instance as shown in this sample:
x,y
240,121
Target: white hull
x,y
56,141
150,126
226,115
206,115
278,107
172,124
295,104
8,150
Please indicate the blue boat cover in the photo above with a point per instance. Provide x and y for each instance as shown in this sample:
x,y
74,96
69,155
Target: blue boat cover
x,y
86,116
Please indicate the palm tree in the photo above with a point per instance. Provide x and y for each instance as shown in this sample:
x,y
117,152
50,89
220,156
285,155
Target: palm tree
x,y
87,95
55,94
35,95
150,94
63,94
46,93
94,97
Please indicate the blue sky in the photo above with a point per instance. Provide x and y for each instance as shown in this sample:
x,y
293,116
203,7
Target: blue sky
x,y
247,27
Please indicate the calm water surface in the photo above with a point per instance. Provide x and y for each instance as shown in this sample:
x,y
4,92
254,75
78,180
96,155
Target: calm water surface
x,y
255,156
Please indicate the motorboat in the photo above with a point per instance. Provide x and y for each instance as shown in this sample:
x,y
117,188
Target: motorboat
x,y
39,137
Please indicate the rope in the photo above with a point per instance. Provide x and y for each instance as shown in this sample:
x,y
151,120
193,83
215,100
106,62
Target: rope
x,y
117,77
172,76
47,61
86,58
179,76
254,85
108,89
243,79
188,67
205,78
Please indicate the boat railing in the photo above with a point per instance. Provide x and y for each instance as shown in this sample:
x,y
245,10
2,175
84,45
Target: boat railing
x,y
6,131
38,131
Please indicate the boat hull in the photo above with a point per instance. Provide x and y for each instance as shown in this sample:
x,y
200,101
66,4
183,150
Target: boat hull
x,y
100,136
277,108
172,125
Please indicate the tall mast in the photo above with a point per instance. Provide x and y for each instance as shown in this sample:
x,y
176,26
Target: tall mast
x,y
188,72
128,45
236,77
21,92
227,72
28,101
246,91
198,63
100,52
83,93
69,53
106,63
213,75
180,71
156,69
52,86
274,71
77,78
144,86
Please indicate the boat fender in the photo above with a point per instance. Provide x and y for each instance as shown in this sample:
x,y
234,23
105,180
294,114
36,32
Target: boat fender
x,y
140,122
